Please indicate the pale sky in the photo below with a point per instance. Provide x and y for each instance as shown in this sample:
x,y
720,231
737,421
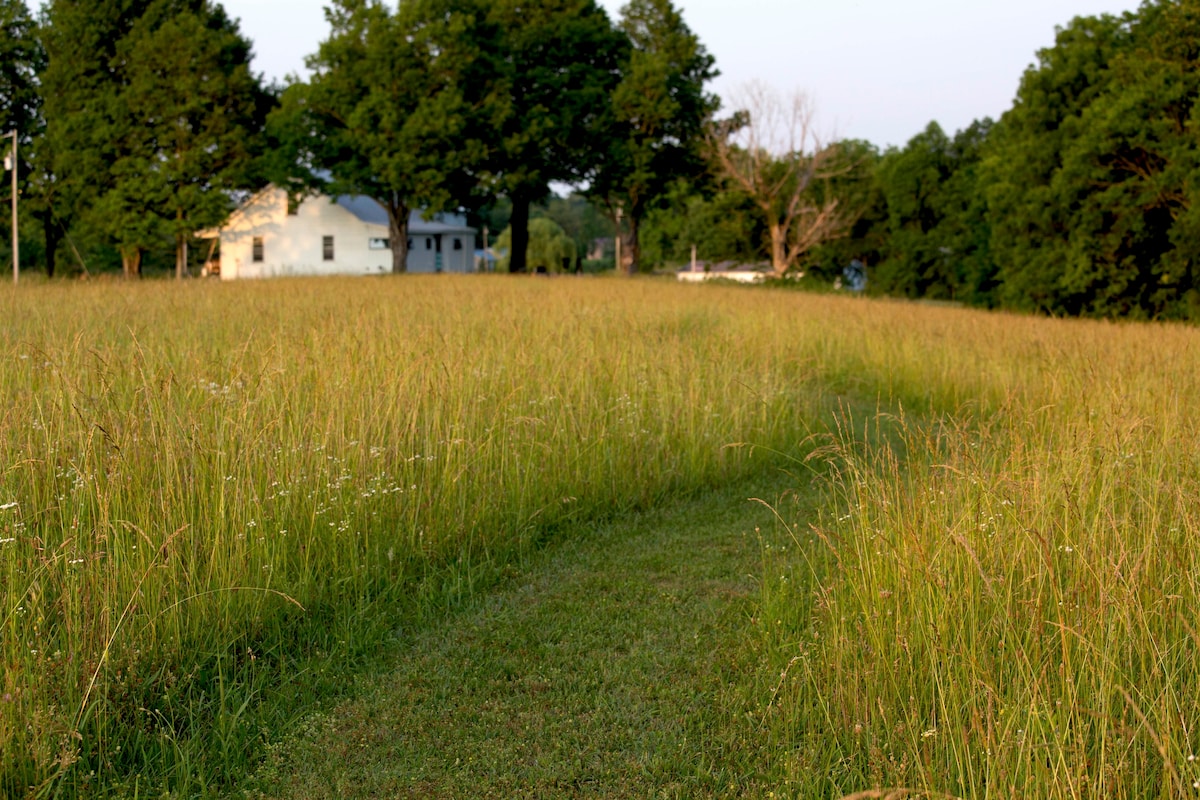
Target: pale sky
x,y
879,70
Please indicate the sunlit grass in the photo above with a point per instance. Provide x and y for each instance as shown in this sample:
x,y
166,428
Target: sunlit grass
x,y
205,485
214,498
1003,598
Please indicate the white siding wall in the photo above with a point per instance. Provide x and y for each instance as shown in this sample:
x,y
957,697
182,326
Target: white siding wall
x,y
293,245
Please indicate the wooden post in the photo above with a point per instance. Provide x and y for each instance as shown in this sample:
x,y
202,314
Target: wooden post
x,y
15,233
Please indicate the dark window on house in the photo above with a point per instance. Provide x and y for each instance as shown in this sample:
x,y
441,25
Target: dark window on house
x,y
457,243
327,248
428,243
256,250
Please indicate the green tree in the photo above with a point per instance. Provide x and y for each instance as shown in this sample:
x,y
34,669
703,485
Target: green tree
x,y
1093,179
1132,247
937,230
966,230
392,108
152,114
558,62
659,112
579,217
912,179
21,59
192,114
548,248
1033,206
79,86
723,224
867,238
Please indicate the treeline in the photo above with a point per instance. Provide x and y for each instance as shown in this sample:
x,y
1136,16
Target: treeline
x,y
141,122
1079,200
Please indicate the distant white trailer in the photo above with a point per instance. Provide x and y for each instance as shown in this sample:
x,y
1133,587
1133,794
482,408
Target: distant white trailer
x,y
346,235
738,275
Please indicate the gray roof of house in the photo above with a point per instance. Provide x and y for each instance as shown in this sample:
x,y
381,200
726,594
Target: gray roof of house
x,y
371,212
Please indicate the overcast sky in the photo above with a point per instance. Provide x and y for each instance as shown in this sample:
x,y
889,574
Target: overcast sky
x,y
876,69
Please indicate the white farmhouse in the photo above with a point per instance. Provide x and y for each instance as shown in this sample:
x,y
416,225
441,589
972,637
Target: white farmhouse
x,y
332,236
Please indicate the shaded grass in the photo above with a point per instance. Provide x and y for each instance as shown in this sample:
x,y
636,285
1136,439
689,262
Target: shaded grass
x,y
617,664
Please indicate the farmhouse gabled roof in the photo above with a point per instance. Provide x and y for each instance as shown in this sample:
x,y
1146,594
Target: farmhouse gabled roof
x,y
372,213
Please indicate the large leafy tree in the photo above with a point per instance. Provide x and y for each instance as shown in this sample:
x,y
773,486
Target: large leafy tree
x,y
656,123
392,110
190,117
558,63
860,187
21,59
1132,247
1092,188
1030,209
937,231
79,86
152,116
722,225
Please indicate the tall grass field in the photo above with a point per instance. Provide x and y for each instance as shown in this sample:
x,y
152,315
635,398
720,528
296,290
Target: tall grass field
x,y
216,499
1003,596
216,494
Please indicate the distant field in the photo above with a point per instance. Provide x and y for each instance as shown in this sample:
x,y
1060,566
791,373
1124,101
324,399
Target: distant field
x,y
216,498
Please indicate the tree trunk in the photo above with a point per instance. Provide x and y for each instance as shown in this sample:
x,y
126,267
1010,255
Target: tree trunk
x,y
632,246
52,238
779,263
181,268
131,262
180,245
520,233
398,212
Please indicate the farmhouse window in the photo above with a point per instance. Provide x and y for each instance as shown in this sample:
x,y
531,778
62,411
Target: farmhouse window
x,y
457,243
256,251
428,243
378,244
327,248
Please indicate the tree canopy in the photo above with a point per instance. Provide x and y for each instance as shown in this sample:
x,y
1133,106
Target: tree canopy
x,y
557,64
1079,200
655,122
392,110
153,118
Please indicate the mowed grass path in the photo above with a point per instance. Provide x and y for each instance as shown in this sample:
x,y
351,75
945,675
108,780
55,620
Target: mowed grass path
x,y
621,663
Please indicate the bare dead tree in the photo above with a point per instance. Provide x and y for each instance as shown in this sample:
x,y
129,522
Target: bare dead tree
x,y
771,150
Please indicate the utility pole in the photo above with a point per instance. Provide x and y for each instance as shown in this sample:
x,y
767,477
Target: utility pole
x,y
11,163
